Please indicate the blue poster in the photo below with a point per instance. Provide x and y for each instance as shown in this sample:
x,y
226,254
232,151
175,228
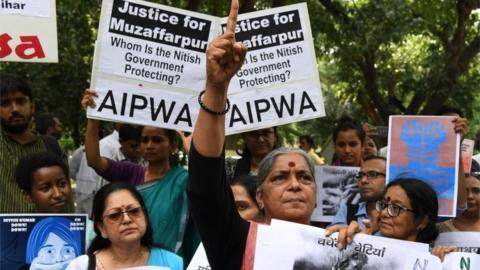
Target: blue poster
x,y
427,148
41,241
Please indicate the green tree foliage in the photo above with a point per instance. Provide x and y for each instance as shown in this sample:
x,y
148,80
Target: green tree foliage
x,y
399,56
379,58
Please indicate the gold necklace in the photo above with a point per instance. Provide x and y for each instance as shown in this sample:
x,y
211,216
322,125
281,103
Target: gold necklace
x,y
102,266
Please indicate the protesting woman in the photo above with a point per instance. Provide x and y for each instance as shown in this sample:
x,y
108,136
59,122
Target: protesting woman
x,y
408,211
162,183
124,236
286,188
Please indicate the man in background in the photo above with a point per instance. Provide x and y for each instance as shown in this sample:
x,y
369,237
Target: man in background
x,y
48,124
17,140
371,185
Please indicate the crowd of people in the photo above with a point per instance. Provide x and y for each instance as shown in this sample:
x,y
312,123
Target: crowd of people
x,y
147,209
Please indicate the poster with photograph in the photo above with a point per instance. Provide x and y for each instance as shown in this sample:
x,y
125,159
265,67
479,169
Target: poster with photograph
x,y
461,261
28,31
464,241
304,247
335,185
41,241
149,66
427,148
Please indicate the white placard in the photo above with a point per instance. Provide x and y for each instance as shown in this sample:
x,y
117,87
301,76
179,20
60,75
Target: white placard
x,y
120,100
162,49
36,8
280,49
28,34
199,260
464,241
461,261
143,41
306,247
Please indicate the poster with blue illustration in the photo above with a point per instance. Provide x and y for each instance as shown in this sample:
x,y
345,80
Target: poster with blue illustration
x,y
426,147
41,241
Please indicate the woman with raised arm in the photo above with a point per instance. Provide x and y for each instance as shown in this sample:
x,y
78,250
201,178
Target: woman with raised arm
x,y
162,183
286,188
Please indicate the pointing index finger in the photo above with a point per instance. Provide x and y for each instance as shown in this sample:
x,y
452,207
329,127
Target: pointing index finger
x,y
232,17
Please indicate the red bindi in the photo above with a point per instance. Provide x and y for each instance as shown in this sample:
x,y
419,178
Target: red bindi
x,y
291,164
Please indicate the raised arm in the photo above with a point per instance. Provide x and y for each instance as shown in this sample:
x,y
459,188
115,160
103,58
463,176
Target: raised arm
x,y
92,149
224,232
461,127
225,56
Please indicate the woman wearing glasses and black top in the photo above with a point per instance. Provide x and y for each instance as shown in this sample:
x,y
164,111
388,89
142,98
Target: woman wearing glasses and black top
x,y
408,211
124,235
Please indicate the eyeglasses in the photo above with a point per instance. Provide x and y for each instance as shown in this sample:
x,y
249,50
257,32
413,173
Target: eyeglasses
x,y
154,139
393,210
370,175
133,213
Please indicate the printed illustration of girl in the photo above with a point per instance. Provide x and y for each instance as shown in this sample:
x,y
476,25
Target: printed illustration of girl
x,y
52,245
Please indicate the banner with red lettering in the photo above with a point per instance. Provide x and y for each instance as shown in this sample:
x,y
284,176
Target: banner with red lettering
x,y
28,31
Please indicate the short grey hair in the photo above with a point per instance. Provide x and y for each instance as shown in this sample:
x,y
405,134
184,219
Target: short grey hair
x,y
266,164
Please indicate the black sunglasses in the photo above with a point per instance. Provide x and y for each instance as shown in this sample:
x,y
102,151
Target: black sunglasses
x,y
116,216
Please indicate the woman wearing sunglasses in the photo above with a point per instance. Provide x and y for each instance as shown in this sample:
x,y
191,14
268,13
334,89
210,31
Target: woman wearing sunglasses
x,y
161,183
124,235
